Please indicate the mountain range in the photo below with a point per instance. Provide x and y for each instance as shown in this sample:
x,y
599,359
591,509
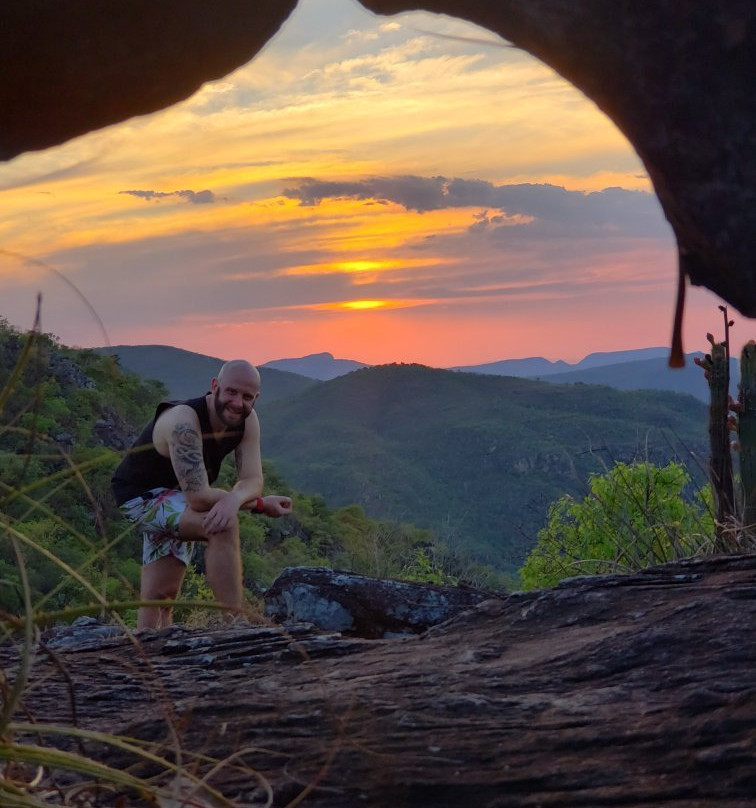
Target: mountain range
x,y
643,369
476,457
184,372
538,366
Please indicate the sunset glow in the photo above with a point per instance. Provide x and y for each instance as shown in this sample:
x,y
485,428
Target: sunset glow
x,y
371,305
359,305
385,189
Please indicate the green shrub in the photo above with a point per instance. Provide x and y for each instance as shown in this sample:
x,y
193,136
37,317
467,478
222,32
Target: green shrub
x,y
633,516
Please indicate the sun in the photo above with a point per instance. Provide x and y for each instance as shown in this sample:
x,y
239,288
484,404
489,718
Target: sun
x,y
360,305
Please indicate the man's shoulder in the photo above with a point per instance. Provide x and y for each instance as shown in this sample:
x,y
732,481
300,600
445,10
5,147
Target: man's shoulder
x,y
172,412
252,425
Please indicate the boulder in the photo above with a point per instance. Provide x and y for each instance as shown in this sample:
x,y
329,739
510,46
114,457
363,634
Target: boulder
x,y
360,606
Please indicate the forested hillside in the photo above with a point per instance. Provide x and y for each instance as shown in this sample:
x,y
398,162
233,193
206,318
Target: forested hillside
x,y
66,417
475,458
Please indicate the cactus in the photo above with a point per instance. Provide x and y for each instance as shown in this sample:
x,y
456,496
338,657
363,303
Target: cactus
x,y
747,440
720,462
735,518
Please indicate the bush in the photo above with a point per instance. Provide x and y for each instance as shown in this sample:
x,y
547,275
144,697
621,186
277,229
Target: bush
x,y
633,516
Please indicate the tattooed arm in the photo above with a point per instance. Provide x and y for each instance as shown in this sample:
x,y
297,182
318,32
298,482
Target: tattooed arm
x,y
177,435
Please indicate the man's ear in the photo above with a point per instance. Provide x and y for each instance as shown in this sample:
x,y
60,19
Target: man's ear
x,y
213,384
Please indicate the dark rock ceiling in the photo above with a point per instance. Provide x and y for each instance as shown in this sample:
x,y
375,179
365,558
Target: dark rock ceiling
x,y
675,76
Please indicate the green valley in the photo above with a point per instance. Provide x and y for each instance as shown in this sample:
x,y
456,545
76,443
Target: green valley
x,y
477,459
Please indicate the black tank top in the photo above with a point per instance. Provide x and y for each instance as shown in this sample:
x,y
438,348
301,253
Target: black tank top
x,y
139,471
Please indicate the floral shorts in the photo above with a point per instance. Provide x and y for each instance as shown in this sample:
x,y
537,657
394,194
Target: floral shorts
x,y
157,513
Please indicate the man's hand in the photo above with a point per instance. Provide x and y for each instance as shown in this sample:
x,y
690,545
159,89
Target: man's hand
x,y
222,515
273,505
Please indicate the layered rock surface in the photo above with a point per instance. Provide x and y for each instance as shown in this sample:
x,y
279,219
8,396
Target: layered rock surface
x,y
635,691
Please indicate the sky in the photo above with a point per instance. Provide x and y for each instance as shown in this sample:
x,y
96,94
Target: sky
x,y
387,189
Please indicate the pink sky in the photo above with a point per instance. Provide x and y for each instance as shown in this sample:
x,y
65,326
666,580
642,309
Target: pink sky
x,y
386,189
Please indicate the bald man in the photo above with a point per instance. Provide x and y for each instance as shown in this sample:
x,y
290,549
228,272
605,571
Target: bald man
x,y
165,485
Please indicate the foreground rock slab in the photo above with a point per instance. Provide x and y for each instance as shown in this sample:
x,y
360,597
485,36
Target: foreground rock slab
x,y
632,691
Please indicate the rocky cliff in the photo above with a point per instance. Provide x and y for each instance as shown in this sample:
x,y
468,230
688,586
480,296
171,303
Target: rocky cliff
x,y
636,691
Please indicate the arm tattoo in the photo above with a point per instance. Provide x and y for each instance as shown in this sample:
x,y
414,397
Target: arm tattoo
x,y
188,463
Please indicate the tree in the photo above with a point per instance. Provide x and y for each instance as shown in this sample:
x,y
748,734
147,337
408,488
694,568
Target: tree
x,y
634,516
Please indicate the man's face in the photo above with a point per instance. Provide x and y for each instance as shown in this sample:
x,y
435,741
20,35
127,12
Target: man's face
x,y
233,398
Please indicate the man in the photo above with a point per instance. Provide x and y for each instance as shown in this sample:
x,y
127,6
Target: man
x,y
165,485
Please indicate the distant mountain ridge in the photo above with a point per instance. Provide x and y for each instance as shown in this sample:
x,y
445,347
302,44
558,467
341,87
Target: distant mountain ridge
x,y
324,367
187,374
642,369
639,369
540,367
649,374
320,366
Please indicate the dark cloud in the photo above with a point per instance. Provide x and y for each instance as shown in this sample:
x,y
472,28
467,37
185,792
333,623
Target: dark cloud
x,y
414,193
546,210
195,197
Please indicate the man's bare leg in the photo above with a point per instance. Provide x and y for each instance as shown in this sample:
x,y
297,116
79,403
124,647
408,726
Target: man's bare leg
x,y
161,580
223,567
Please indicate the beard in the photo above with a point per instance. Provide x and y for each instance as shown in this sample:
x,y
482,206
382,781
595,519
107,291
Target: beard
x,y
228,418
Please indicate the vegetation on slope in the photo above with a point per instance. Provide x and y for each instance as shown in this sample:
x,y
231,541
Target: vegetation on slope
x,y
475,458
67,417
634,516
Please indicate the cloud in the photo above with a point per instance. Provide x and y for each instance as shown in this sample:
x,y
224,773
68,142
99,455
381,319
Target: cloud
x,y
546,209
195,197
420,194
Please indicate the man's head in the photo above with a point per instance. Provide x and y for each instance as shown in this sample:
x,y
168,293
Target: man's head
x,y
235,391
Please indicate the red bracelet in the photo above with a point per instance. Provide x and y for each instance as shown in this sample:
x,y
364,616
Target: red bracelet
x,y
259,505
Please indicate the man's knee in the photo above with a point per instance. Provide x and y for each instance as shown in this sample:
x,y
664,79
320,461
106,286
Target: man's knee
x,y
191,528
164,591
224,538
162,579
